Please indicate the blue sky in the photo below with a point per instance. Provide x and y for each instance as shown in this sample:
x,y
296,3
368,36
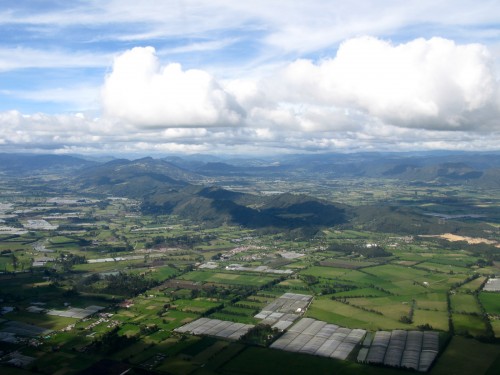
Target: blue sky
x,y
249,77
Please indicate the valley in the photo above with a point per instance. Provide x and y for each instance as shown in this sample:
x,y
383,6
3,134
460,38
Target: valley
x,y
102,263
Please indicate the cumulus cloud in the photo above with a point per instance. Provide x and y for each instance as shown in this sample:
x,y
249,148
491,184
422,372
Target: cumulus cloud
x,y
432,84
141,91
429,84
372,95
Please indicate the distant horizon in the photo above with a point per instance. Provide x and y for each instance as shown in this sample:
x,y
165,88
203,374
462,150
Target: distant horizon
x,y
225,157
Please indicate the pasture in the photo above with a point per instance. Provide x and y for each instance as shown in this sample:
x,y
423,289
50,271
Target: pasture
x,y
255,280
464,303
491,302
467,356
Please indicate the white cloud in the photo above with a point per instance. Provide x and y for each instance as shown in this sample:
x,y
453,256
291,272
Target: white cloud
x,y
433,84
141,91
372,95
423,84
80,134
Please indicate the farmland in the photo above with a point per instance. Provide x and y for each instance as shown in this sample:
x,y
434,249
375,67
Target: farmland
x,y
148,274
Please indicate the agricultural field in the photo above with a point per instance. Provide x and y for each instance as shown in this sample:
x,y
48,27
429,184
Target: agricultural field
x,y
153,273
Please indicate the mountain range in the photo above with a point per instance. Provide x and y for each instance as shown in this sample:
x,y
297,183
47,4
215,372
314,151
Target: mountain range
x,y
185,186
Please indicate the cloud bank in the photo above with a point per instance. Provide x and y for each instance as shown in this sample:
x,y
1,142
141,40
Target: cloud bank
x,y
430,84
141,91
371,95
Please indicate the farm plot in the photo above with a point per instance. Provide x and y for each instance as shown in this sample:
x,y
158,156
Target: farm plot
x,y
75,312
312,336
227,278
215,327
467,356
361,292
392,307
235,316
464,303
468,324
349,264
414,350
431,301
23,329
495,325
326,272
41,320
492,285
198,305
491,302
435,319
411,281
283,311
473,285
350,316
443,268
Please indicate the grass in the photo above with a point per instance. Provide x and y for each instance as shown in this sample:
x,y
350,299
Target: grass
x,y
432,301
444,268
491,302
349,316
162,273
388,288
436,319
361,292
227,278
197,305
41,320
51,363
465,303
495,324
326,272
254,360
468,324
392,307
473,285
245,319
467,356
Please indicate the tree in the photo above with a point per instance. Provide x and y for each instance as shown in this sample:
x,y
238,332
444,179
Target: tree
x,y
14,260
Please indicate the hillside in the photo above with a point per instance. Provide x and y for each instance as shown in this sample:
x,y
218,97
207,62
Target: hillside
x,y
30,164
165,188
134,179
217,206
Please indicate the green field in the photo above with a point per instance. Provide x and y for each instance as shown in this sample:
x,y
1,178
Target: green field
x,y
41,320
468,325
473,285
491,302
255,360
197,305
227,278
326,272
407,286
467,356
465,303
436,319
351,317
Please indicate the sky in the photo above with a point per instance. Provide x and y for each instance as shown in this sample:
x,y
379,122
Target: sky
x,y
249,77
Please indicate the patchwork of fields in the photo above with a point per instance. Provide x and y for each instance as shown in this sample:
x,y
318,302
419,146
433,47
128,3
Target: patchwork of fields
x,y
113,284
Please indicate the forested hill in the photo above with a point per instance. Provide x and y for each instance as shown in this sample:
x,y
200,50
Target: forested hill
x,y
164,188
30,164
183,187
135,179
218,206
